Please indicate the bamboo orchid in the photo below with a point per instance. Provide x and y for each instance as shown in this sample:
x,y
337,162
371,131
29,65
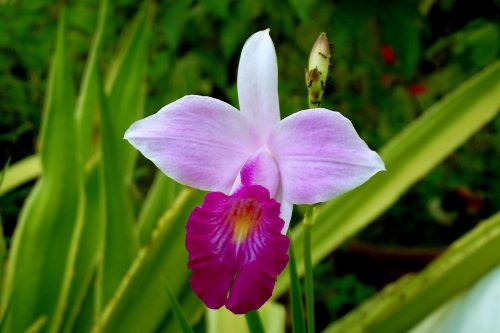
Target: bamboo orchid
x,y
256,167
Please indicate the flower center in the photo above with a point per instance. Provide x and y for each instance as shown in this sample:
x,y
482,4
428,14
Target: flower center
x,y
245,215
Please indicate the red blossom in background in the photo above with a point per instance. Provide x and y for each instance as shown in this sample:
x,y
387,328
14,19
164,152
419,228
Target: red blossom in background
x,y
417,89
388,54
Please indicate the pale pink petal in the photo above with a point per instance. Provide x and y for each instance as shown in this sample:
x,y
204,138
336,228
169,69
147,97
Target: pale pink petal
x,y
236,250
259,169
258,83
320,156
198,141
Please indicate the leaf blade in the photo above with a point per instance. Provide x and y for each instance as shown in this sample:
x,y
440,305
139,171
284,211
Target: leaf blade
x,y
129,311
44,246
402,305
179,314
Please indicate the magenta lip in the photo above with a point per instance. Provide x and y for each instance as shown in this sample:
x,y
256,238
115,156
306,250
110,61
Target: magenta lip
x,y
236,249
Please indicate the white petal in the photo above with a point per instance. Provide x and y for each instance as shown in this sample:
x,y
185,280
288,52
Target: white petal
x,y
286,215
258,83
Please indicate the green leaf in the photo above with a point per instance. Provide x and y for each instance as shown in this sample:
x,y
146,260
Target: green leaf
x,y
408,157
398,307
161,195
90,250
126,85
3,248
4,170
474,310
6,316
125,89
91,242
88,102
46,240
174,21
37,325
302,8
481,40
298,322
191,306
121,242
140,303
90,309
179,315
3,254
218,7
21,172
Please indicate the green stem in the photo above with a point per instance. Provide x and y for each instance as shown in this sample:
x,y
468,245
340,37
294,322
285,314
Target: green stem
x,y
308,269
254,323
298,322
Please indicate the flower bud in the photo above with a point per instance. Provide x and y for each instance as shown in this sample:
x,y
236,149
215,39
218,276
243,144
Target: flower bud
x,y
317,71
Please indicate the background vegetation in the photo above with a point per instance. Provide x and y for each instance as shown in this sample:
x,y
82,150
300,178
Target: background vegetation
x,y
392,61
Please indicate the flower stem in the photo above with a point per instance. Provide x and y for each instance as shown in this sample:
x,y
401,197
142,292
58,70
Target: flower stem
x,y
254,323
298,322
308,269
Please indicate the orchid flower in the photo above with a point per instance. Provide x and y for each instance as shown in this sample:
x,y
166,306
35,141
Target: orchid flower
x,y
256,168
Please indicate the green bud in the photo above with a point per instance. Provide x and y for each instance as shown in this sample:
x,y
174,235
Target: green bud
x,y
317,71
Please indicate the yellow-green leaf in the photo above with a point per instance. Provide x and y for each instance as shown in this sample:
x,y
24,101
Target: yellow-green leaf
x,y
400,306
123,103
45,242
140,302
21,172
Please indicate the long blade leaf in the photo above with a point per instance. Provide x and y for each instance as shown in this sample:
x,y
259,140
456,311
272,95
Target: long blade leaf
x,y
46,240
88,101
400,306
126,84
179,314
125,91
140,303
161,195
90,246
21,172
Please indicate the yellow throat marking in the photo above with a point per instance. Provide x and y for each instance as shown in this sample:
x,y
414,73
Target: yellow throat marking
x,y
245,215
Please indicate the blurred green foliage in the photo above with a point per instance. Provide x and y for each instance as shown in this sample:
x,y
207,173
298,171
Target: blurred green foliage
x,y
194,49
